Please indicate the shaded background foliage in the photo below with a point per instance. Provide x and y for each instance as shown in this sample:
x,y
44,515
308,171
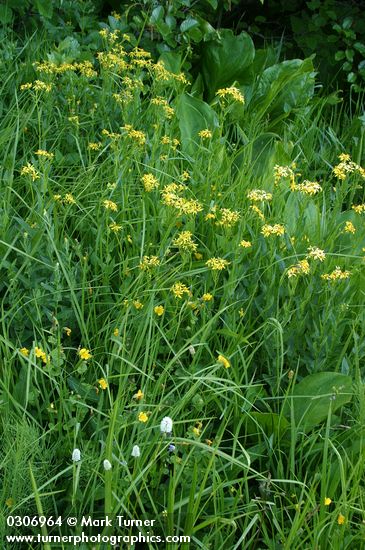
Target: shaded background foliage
x,y
333,31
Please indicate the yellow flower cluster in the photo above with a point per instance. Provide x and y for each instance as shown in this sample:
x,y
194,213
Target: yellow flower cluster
x,y
85,68
307,187
349,228
347,166
245,244
301,268
205,134
228,218
135,135
115,227
40,354
178,289
29,170
137,304
111,135
38,86
160,101
259,195
149,262
45,154
315,253
358,208
276,229
336,274
67,199
163,75
149,182
93,146
207,297
110,205
217,264
171,197
282,172
184,242
231,93
257,211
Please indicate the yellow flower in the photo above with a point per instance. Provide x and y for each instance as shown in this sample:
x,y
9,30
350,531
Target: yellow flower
x,y
259,195
46,154
196,431
29,170
159,310
103,383
207,297
116,332
232,93
184,242
149,262
139,395
308,187
349,227
217,264
205,134
110,205
341,519
137,304
302,268
336,274
84,354
149,182
179,289
221,359
142,417
245,244
40,354
316,253
198,255
327,501
276,229
9,502
115,227
358,208
24,351
67,331
228,218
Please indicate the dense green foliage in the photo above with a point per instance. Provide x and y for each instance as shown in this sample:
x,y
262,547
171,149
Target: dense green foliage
x,y
182,237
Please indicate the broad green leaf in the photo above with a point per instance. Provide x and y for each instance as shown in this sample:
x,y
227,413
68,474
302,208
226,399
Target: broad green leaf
x,y
194,115
269,423
312,398
226,60
285,86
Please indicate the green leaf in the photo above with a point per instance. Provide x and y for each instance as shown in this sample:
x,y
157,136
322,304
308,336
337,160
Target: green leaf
x,y
312,398
194,115
360,48
339,55
226,61
285,86
270,423
45,8
347,22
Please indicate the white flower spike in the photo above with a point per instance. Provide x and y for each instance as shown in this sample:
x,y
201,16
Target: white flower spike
x,y
107,465
136,452
166,425
76,455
